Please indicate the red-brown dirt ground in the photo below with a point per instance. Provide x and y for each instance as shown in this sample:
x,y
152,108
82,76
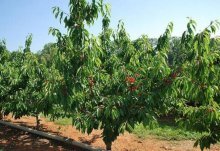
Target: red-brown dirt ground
x,y
11,139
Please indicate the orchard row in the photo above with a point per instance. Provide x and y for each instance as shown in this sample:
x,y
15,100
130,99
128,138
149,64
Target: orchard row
x,y
110,82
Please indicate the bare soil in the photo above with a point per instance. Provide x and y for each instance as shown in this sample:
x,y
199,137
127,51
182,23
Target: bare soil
x,y
17,140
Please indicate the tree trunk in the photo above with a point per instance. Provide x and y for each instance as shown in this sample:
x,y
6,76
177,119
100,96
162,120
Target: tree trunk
x,y
108,146
1,115
37,122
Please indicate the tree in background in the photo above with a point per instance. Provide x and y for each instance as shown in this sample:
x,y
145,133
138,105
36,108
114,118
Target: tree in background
x,y
197,85
28,85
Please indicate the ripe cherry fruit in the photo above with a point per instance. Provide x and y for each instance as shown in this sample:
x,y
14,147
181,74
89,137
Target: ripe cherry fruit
x,y
130,80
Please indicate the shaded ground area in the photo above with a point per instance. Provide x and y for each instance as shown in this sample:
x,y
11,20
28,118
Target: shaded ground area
x,y
16,140
126,142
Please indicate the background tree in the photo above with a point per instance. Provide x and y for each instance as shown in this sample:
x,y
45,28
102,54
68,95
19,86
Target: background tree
x,y
197,84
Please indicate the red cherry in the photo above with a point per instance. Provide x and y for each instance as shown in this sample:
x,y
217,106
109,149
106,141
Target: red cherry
x,y
130,80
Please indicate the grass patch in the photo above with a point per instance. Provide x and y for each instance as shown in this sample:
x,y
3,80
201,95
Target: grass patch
x,y
63,121
60,121
166,131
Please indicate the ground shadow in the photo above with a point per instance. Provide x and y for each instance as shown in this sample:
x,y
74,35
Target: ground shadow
x,y
42,127
16,140
89,141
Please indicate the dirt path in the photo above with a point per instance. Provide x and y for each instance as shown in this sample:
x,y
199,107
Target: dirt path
x,y
126,142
